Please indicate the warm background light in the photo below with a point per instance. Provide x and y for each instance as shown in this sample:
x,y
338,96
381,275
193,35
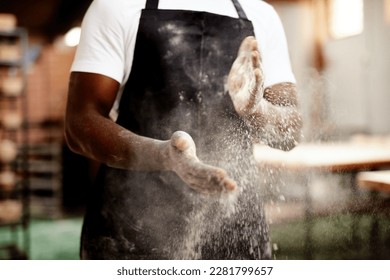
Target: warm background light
x,y
346,18
72,37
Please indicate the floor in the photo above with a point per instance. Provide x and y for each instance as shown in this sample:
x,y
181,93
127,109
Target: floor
x,y
335,237
332,237
50,239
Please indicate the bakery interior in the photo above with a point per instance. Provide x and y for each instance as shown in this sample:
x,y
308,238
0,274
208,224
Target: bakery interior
x,y
326,199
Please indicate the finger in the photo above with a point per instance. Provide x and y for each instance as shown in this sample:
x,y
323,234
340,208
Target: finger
x,y
254,93
255,59
182,140
220,185
246,44
215,179
203,186
182,144
229,184
253,44
204,172
235,85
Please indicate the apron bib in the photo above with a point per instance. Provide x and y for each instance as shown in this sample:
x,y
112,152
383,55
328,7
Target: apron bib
x,y
177,82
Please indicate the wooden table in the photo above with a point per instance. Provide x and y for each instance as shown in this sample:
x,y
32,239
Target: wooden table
x,y
374,180
349,157
332,157
377,182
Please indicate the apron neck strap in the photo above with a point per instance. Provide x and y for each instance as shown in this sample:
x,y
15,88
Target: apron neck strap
x,y
153,5
239,9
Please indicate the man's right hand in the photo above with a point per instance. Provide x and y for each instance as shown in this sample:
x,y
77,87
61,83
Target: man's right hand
x,y
204,178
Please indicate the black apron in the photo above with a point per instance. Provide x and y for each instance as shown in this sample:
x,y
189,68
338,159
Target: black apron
x,y
177,82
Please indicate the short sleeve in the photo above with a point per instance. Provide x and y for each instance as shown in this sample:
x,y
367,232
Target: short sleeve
x,y
276,59
101,47
272,42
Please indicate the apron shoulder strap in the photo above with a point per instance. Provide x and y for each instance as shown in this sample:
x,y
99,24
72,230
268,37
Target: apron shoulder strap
x,y
239,9
153,5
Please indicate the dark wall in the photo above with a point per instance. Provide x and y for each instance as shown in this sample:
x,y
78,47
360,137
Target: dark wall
x,y
46,18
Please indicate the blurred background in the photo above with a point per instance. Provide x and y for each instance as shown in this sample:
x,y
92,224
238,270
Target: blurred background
x,y
322,210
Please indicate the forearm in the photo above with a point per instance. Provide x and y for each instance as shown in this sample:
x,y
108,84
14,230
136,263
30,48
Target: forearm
x,y
276,120
101,139
90,132
123,149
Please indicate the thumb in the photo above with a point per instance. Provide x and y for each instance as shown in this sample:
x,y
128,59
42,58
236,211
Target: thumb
x,y
182,141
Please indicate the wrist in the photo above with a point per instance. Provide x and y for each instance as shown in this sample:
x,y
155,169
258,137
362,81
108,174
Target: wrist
x,y
163,155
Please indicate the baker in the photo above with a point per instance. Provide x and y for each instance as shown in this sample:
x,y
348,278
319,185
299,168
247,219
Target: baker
x,y
169,96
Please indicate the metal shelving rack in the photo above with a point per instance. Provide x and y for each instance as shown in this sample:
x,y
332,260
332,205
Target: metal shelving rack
x,y
14,100
45,169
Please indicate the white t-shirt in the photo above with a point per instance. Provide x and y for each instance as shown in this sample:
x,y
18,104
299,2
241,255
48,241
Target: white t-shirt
x,y
110,27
